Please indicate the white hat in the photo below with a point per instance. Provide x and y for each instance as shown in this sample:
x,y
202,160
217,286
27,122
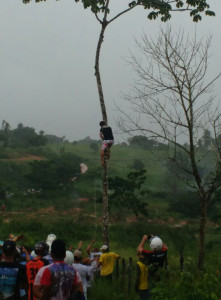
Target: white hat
x,y
78,253
104,247
69,259
33,254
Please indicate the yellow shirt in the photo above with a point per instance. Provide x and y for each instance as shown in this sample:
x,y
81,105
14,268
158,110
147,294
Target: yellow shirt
x,y
143,280
107,260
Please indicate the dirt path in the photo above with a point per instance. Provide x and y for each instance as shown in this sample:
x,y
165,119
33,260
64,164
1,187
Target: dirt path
x,y
24,158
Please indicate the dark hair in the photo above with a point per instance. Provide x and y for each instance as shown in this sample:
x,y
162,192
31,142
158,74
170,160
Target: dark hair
x,y
58,249
9,248
78,259
102,123
41,248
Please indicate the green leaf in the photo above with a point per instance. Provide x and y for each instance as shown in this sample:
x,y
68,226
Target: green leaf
x,y
210,13
197,18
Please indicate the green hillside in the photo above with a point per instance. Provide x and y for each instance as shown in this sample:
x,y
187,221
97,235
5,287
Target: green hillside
x,y
44,191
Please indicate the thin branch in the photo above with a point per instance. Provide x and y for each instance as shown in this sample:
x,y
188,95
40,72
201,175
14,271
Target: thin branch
x,y
123,12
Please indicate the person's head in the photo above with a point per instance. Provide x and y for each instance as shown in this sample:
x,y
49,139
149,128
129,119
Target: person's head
x,y
9,249
58,250
41,249
86,261
104,248
78,255
103,123
69,258
95,249
156,244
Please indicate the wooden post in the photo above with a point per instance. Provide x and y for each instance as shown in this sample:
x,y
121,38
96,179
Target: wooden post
x,y
123,272
181,260
129,274
117,268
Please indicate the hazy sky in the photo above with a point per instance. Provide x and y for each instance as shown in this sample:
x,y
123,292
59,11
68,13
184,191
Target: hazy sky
x,y
47,55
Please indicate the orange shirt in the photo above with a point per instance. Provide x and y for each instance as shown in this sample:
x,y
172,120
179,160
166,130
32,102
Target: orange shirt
x,y
32,268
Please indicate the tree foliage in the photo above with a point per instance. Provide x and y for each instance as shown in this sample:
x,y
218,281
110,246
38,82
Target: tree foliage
x,y
137,165
55,173
94,147
22,136
127,192
156,8
145,143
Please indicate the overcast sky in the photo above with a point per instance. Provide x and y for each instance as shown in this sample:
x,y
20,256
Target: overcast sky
x,y
47,55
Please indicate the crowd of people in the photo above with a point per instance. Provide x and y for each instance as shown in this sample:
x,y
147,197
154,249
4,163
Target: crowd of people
x,y
50,271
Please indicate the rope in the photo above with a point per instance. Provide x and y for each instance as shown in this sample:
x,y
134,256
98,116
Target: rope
x,y
95,203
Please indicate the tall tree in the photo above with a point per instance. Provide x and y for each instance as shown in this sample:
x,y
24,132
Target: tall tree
x,y
102,12
172,93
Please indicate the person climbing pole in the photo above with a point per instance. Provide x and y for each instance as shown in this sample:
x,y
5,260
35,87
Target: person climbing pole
x,y
106,135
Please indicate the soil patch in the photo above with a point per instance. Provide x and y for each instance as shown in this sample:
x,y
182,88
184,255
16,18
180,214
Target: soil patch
x,y
25,158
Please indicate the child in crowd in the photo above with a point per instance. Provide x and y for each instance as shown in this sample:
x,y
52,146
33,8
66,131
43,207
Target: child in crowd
x,y
141,283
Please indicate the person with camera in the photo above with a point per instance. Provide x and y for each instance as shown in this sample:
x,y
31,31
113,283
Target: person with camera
x,y
158,253
156,258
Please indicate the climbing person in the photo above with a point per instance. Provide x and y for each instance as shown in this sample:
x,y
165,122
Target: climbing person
x,y
106,135
34,265
106,261
141,281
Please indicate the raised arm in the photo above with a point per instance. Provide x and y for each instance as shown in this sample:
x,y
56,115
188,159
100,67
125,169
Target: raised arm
x,y
141,245
89,247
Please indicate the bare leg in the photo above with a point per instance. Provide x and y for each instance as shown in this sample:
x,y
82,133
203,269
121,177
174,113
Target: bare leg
x,y
102,157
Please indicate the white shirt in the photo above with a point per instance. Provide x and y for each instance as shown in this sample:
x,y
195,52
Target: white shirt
x,y
84,271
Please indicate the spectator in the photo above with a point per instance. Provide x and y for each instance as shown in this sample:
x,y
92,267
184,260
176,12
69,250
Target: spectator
x,y
106,261
95,253
34,265
69,258
94,256
141,282
84,271
12,274
157,257
158,253
59,280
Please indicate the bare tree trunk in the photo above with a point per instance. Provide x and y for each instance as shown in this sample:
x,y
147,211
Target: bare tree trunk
x,y
203,219
97,71
104,24
105,231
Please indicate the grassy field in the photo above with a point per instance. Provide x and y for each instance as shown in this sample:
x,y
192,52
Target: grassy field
x,y
73,219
